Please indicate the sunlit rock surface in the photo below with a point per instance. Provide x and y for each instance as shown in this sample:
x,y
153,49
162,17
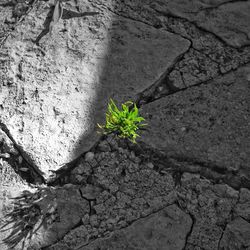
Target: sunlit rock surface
x,y
57,84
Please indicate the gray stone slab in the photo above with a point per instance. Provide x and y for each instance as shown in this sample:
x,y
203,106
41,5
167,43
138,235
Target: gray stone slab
x,y
236,235
164,230
56,87
243,207
208,123
211,207
226,19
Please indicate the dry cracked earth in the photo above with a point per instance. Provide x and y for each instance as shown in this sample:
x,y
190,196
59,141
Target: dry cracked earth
x,y
184,185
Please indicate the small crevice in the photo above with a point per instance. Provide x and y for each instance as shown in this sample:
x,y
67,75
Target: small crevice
x,y
91,210
177,165
129,224
148,95
204,30
28,161
80,223
216,6
66,168
193,220
157,25
190,231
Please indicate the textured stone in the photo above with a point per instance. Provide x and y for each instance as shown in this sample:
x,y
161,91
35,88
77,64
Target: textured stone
x,y
166,229
60,83
122,191
7,146
103,146
209,122
243,207
60,210
226,19
210,206
194,68
90,192
39,217
11,186
236,235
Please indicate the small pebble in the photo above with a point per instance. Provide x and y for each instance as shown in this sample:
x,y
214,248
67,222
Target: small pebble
x,y
150,165
94,221
4,155
85,219
20,159
104,146
24,169
89,156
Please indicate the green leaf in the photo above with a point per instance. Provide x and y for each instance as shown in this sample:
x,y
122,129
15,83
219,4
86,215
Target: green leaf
x,y
124,122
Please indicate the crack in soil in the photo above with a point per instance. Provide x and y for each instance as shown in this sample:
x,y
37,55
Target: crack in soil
x,y
183,19
177,165
191,228
129,224
147,96
231,215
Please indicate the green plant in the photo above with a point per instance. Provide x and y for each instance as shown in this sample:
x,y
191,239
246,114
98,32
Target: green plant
x,y
124,122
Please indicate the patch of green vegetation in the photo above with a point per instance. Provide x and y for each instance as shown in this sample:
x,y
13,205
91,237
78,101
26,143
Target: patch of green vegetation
x,y
125,122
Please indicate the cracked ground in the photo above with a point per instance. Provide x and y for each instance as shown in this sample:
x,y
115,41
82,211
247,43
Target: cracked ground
x,y
184,185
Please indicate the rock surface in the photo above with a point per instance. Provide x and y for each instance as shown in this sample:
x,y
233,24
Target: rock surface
x,y
57,86
42,217
236,235
184,185
11,185
166,229
243,207
226,19
209,123
123,189
211,207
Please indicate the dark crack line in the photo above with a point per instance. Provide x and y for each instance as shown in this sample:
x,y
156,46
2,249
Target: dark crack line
x,y
216,174
182,78
177,90
29,161
89,201
216,6
236,181
219,64
66,168
117,13
191,229
128,225
80,223
231,215
169,14
163,80
208,56
222,234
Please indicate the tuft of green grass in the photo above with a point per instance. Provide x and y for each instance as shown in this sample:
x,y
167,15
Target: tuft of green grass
x,y
125,122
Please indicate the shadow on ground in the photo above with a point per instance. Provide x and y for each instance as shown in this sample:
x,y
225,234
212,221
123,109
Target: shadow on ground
x,y
40,218
24,217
